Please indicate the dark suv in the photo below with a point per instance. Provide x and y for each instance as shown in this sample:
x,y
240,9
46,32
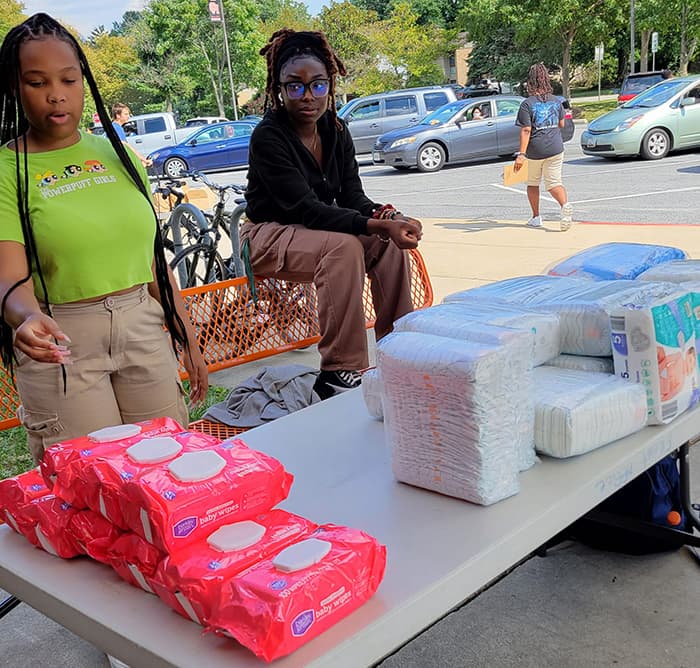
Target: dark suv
x,y
634,84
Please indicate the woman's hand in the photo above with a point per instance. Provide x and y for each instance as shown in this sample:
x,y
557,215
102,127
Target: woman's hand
x,y
404,231
37,337
198,374
519,162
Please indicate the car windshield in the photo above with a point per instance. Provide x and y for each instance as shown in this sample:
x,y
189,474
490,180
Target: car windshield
x,y
442,114
638,84
656,95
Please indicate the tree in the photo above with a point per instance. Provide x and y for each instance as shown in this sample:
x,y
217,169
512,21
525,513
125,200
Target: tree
x,y
277,14
11,13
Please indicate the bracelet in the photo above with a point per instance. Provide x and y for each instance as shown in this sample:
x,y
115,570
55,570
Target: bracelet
x,y
519,154
385,212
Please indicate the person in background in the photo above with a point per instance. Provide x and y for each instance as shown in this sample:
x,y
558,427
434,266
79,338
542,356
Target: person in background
x,y
476,114
120,115
85,289
667,74
309,219
541,117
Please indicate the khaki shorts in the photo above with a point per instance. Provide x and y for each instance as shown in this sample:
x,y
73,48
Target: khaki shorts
x,y
124,370
550,168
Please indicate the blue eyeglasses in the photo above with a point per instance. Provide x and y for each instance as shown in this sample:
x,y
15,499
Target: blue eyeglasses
x,y
296,89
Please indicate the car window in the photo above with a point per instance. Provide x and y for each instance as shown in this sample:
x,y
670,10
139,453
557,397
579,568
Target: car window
x,y
434,100
638,84
659,94
507,107
365,110
443,114
242,130
213,134
398,106
694,93
154,124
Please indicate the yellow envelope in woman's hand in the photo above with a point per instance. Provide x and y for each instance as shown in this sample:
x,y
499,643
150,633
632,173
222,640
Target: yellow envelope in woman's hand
x,y
511,177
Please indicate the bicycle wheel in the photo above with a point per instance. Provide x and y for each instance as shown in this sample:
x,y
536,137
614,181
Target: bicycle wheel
x,y
233,227
197,265
184,227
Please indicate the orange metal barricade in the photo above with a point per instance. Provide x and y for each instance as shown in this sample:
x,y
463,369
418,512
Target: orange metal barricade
x,y
232,329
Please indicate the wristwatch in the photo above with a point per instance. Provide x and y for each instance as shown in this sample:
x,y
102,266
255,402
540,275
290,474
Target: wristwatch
x,y
523,154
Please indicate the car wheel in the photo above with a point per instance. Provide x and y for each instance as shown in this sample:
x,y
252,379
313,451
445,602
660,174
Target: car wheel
x,y
431,157
173,167
655,145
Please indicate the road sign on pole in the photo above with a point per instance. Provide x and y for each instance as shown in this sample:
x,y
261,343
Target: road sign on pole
x,y
654,48
599,53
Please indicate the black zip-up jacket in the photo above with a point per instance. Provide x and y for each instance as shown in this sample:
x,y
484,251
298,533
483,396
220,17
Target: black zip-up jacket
x,y
286,185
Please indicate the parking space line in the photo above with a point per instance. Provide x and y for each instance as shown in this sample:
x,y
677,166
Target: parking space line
x,y
632,195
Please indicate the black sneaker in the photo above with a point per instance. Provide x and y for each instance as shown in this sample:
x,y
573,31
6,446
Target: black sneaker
x,y
330,383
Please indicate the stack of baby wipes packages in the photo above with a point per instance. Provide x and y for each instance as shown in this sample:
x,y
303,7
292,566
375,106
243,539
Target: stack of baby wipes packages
x,y
192,519
469,388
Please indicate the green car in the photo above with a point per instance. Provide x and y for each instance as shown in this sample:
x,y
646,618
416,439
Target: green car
x,y
663,118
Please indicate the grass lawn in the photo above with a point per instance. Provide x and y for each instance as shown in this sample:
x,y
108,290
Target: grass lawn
x,y
591,110
15,458
588,92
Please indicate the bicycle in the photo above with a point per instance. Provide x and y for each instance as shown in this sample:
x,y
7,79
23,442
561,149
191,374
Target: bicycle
x,y
289,308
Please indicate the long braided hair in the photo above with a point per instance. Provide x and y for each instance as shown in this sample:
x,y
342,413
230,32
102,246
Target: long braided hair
x,y
538,82
14,125
284,45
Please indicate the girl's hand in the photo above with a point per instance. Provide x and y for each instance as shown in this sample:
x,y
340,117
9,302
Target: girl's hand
x,y
40,338
198,374
519,162
404,231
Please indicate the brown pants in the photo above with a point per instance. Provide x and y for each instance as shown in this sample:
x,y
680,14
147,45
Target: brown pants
x,y
336,263
124,370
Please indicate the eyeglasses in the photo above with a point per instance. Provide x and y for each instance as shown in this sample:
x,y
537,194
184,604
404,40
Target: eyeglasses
x,y
297,89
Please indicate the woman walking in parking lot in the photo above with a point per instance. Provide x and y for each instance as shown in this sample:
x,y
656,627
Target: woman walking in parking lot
x,y
309,219
541,118
84,285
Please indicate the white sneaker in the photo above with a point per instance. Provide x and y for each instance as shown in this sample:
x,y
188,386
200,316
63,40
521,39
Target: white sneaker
x,y
567,214
535,221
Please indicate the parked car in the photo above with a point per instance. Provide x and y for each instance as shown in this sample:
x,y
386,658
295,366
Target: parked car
x,y
373,115
451,134
663,118
147,132
204,120
634,84
218,146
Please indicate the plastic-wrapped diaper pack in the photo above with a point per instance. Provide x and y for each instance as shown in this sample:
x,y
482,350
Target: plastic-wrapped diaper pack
x,y
190,580
455,321
94,534
544,326
583,306
54,516
284,601
135,560
106,476
16,496
579,411
446,422
183,500
583,363
616,260
63,463
654,345
676,271
372,393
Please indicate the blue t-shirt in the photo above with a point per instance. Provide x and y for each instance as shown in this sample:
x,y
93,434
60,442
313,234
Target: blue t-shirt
x,y
120,130
542,116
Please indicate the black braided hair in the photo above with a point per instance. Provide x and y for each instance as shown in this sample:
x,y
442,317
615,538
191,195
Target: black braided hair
x,y
538,82
286,44
14,125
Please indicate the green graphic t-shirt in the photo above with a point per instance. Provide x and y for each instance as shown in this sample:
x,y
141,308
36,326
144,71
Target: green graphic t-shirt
x,y
94,230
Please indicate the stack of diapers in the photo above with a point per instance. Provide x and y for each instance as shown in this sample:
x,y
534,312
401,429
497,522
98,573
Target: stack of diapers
x,y
183,500
654,344
16,497
454,320
372,393
582,306
190,580
544,326
284,601
446,421
579,411
616,260
583,363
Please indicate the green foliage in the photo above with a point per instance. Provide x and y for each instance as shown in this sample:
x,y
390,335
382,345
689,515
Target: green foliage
x,y
591,110
11,13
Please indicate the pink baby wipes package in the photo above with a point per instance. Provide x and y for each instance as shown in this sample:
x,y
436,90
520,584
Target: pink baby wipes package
x,y
190,580
54,516
94,534
64,463
279,604
182,501
135,560
107,475
16,496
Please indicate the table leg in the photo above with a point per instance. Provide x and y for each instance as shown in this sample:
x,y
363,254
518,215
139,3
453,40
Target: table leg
x,y
8,605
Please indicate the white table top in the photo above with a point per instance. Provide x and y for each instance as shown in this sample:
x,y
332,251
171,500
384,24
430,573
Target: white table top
x,y
440,550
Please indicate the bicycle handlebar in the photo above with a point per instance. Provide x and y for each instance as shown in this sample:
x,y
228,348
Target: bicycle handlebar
x,y
200,176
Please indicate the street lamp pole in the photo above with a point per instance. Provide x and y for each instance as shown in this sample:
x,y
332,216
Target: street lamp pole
x,y
632,37
228,60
